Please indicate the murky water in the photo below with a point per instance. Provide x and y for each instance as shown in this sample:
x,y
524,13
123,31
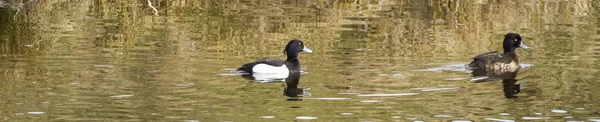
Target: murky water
x,y
373,60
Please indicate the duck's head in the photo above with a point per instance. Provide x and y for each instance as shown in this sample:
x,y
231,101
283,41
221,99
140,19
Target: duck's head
x,y
294,47
513,41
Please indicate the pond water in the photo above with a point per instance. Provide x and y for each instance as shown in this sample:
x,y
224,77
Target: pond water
x,y
373,60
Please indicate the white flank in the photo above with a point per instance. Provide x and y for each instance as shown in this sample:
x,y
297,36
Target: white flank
x,y
271,77
268,69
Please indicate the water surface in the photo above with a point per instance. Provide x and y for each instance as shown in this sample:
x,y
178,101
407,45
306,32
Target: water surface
x,y
373,60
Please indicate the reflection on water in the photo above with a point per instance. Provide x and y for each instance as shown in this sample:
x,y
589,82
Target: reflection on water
x,y
509,81
116,61
510,87
292,89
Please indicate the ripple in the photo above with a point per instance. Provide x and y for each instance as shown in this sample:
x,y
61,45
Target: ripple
x,y
479,78
36,113
499,120
104,66
232,72
534,118
369,70
349,93
306,117
523,65
594,120
559,111
184,84
229,69
328,98
397,75
122,96
386,95
439,89
396,117
346,113
370,101
267,117
423,88
455,79
229,74
458,66
462,121
443,116
363,49
503,114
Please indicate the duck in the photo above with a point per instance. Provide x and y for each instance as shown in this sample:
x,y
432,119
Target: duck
x,y
495,61
276,65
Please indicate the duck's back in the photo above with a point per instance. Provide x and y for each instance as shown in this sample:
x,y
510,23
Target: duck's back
x,y
263,64
481,60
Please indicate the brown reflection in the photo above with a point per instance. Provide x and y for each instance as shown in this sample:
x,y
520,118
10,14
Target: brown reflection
x,y
510,88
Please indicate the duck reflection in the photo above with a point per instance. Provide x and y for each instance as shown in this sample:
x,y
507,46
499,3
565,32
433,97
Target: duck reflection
x,y
509,85
291,80
292,89
266,77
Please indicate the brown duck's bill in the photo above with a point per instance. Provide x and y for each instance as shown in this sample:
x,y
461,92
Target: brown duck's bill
x,y
522,45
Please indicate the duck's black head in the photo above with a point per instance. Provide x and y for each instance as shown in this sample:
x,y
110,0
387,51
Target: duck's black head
x,y
294,47
513,41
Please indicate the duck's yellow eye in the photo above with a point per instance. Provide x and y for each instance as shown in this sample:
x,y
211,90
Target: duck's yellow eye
x,y
299,43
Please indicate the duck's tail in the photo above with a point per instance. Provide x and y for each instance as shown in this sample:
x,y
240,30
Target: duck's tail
x,y
244,69
472,65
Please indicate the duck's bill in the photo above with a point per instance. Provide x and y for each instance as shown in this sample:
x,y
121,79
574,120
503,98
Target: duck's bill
x,y
522,45
307,50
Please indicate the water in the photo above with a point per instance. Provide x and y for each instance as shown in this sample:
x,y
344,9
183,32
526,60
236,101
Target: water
x,y
378,60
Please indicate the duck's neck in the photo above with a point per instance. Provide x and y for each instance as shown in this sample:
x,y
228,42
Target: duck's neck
x,y
293,64
511,55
